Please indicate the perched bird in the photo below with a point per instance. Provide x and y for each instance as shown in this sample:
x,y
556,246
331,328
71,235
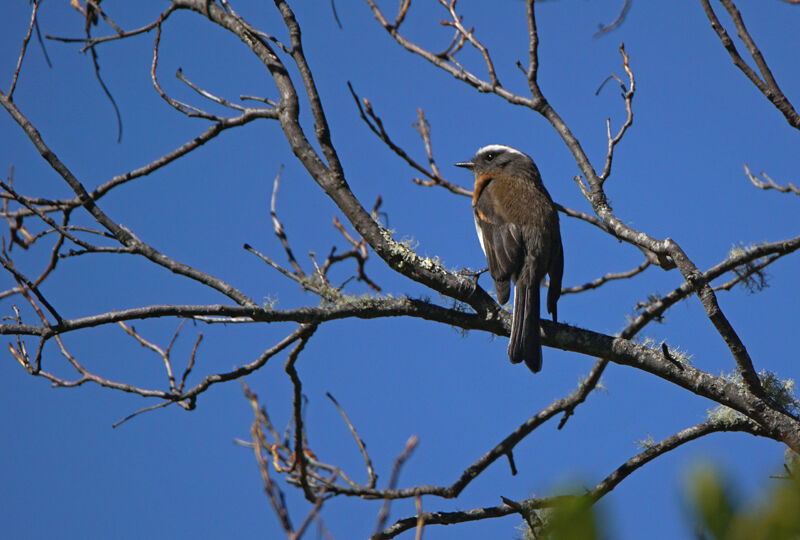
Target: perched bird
x,y
517,225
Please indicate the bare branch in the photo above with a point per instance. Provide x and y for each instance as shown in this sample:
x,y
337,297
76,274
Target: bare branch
x,y
206,94
445,63
657,308
322,131
25,285
274,492
709,300
297,402
24,48
191,361
667,445
278,227
605,279
189,110
92,41
610,27
767,86
601,489
469,35
141,411
123,235
359,252
411,444
163,353
210,133
376,126
366,307
627,96
362,448
770,183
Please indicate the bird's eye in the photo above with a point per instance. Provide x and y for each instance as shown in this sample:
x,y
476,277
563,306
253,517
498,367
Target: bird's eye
x,y
489,156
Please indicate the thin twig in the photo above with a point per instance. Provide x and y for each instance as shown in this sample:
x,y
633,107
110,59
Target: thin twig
x,y
140,411
192,357
606,278
627,95
260,445
375,125
24,47
106,91
280,232
768,86
601,489
770,183
92,41
299,434
605,29
455,22
361,446
206,94
411,444
189,110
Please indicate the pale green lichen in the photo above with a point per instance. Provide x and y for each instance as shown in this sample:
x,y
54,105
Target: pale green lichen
x,y
598,387
535,522
679,355
676,354
365,300
781,391
323,288
646,443
409,242
751,277
738,250
404,251
724,416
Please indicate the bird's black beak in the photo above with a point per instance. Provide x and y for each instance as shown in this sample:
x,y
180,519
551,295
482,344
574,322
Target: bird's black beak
x,y
465,164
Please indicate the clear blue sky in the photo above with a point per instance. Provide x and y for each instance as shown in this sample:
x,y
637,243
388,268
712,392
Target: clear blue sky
x,y
171,474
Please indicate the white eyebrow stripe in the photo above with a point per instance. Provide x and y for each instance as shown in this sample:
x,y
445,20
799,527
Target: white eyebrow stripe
x,y
498,148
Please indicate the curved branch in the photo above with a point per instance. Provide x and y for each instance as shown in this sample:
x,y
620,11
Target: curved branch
x,y
601,489
606,278
670,443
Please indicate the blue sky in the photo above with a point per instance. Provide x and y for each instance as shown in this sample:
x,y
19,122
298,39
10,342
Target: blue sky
x,y
170,473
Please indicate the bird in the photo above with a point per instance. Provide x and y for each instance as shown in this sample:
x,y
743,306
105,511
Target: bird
x,y
517,225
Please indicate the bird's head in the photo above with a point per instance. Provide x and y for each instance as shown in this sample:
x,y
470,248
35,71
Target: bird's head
x,y
496,158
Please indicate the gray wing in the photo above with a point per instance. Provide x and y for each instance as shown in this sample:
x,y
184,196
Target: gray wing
x,y
501,242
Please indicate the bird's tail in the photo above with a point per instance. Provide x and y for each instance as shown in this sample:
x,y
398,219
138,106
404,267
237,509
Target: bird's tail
x,y
525,344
